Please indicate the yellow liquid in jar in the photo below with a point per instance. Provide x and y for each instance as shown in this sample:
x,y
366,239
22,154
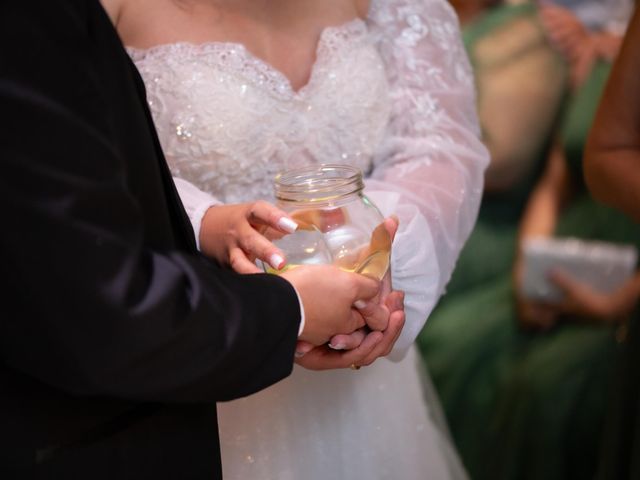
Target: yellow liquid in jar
x,y
372,260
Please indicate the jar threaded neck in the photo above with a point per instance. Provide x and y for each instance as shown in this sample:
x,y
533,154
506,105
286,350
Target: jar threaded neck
x,y
317,184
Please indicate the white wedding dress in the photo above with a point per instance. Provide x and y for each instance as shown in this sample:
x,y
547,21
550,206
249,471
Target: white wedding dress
x,y
393,95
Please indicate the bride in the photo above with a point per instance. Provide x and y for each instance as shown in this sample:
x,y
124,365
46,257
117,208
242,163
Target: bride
x,y
242,89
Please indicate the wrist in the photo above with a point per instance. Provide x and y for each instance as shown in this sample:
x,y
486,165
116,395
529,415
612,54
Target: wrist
x,y
208,236
302,326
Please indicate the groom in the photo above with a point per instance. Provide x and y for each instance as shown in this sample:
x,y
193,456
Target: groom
x,y
116,336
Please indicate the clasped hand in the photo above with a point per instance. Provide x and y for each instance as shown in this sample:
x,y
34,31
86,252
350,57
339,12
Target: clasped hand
x,y
579,301
383,317
236,235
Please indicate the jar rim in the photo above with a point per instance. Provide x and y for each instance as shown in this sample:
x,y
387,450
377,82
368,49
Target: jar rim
x,y
318,183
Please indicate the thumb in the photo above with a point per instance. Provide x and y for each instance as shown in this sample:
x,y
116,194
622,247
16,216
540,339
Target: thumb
x,y
391,224
365,288
395,300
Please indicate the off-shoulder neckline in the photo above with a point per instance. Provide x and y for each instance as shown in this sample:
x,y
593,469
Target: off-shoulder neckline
x,y
330,33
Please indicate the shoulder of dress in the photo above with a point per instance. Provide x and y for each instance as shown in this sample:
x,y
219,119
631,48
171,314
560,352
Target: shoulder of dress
x,y
393,10
406,27
390,18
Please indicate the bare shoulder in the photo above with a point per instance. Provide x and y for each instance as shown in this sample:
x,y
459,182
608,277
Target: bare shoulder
x,y
113,9
362,7
117,9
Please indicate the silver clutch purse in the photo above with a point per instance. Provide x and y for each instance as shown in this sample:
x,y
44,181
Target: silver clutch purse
x,y
601,265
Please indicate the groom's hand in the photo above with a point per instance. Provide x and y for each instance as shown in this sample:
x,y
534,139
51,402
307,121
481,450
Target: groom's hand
x,y
233,235
363,346
328,295
358,349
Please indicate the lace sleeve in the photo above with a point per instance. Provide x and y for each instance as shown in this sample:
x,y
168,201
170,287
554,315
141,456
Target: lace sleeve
x,y
429,168
196,203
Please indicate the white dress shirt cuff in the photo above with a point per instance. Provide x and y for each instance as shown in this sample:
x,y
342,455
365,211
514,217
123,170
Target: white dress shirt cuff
x,y
196,203
302,319
198,215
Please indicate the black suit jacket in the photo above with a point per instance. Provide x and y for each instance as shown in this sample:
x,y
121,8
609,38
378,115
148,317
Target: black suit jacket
x,y
116,337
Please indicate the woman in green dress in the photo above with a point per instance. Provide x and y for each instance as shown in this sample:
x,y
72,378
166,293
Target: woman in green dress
x,y
524,386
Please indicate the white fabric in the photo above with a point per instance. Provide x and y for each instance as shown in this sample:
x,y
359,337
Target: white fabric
x,y
394,97
196,203
370,424
303,318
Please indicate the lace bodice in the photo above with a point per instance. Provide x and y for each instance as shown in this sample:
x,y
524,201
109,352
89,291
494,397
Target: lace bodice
x,y
392,95
228,122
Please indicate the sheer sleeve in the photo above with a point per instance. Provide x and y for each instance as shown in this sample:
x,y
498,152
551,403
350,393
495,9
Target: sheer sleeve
x,y
196,203
429,168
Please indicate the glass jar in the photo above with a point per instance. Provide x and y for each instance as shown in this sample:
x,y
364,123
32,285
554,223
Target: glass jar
x,y
337,223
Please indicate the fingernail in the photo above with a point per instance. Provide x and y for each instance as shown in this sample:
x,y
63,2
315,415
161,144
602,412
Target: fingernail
x,y
287,224
359,304
300,354
401,301
339,346
399,304
276,261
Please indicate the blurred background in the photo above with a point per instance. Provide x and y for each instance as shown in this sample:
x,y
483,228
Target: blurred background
x,y
524,381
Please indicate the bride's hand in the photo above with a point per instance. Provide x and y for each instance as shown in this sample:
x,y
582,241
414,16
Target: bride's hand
x,y
359,349
391,224
365,345
234,235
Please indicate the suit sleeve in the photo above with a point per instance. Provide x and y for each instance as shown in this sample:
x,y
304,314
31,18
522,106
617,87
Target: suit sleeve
x,y
87,306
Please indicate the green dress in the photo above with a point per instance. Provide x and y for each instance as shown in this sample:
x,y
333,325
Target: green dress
x,y
522,405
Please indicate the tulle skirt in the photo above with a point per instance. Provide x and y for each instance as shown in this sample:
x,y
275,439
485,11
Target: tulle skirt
x,y
380,422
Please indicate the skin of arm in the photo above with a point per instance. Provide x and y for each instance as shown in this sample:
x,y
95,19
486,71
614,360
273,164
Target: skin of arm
x,y
582,302
113,8
540,218
547,199
612,159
